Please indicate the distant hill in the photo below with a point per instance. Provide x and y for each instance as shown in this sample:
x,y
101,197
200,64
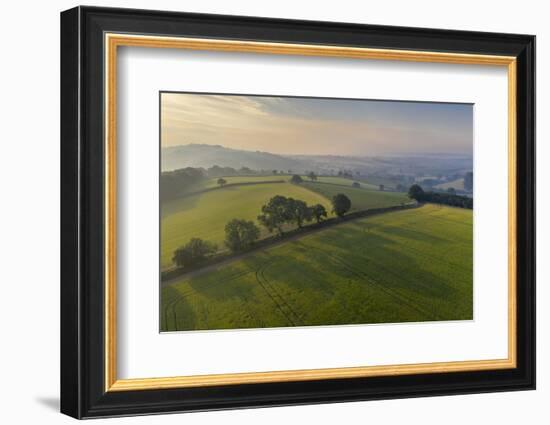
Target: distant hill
x,y
197,155
206,156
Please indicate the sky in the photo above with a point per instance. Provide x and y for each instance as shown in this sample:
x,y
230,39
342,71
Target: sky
x,y
314,126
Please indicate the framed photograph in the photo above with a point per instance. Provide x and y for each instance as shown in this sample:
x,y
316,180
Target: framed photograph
x,y
261,212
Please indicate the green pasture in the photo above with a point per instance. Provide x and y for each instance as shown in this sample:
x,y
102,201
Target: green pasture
x,y
410,265
361,198
341,181
245,179
205,215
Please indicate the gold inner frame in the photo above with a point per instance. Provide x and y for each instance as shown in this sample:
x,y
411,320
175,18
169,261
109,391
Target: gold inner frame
x,y
113,41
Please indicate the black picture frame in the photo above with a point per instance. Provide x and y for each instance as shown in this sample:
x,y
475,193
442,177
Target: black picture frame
x,y
82,219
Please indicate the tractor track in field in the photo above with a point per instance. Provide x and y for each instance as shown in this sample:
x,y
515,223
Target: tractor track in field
x,y
282,241
270,295
251,313
282,305
284,301
180,297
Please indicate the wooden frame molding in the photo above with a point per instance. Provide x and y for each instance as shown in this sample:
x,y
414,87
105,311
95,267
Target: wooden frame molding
x,y
111,43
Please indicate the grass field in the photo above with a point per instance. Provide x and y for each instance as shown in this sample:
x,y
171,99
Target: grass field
x,y
205,215
245,179
213,182
341,181
411,265
361,198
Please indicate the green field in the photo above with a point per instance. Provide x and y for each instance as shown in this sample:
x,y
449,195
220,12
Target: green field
x,y
246,179
410,265
205,215
213,182
341,181
361,198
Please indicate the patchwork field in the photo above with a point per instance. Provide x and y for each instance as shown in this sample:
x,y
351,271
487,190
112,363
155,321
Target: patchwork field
x,y
410,265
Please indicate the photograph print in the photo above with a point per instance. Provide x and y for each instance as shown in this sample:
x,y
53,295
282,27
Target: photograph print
x,y
280,211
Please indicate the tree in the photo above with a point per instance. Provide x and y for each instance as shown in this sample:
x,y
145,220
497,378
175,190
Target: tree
x,y
275,172
416,192
341,204
194,252
381,187
312,176
318,211
173,183
222,182
451,190
275,214
240,234
245,170
469,181
356,184
296,179
298,211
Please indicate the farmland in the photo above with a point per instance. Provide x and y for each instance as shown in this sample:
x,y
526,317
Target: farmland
x,y
361,198
204,215
410,265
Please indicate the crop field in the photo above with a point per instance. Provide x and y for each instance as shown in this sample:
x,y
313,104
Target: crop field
x,y
205,215
455,184
361,198
410,265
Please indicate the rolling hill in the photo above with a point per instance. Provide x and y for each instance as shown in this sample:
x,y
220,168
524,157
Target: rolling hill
x,y
206,156
197,155
413,265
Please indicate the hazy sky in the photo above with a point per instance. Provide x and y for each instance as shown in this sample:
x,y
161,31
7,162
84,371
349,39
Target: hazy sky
x,y
284,125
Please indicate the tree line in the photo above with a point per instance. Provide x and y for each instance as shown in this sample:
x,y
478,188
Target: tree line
x,y
446,198
241,235
172,183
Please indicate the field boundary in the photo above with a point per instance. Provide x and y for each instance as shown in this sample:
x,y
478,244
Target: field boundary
x,y
290,235
365,187
210,189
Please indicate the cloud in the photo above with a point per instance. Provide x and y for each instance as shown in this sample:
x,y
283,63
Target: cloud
x,y
315,126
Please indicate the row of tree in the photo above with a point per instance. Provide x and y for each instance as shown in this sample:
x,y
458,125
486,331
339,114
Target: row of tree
x,y
281,210
446,198
240,234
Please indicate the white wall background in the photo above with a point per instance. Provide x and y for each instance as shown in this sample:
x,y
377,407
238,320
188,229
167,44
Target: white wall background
x,y
29,225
